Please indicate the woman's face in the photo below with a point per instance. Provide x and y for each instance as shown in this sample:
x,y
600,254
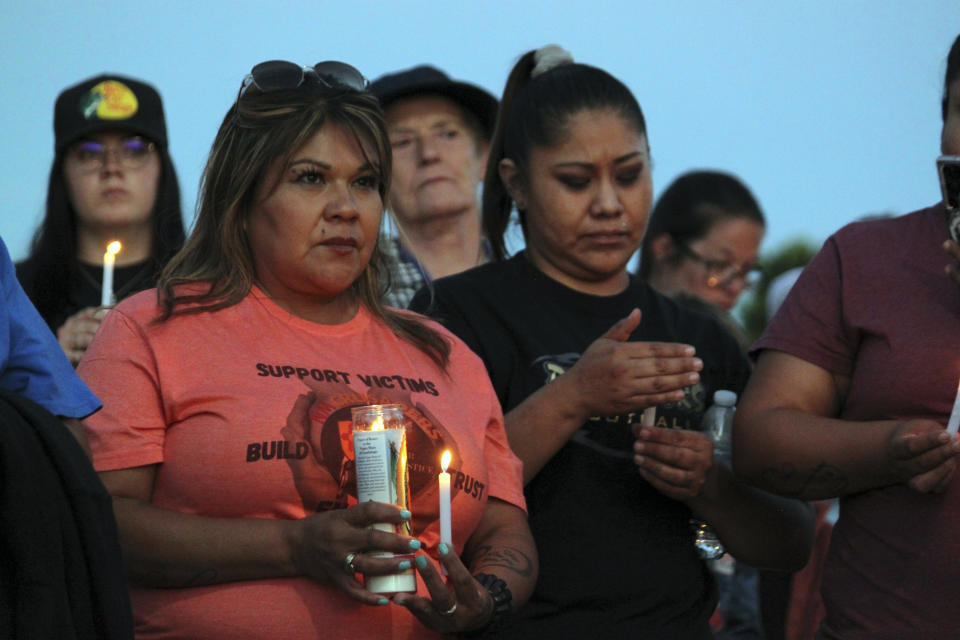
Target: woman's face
x,y
587,200
950,137
315,222
112,180
715,267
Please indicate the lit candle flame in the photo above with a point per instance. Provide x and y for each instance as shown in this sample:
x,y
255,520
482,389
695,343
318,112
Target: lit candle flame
x,y
377,426
113,248
445,460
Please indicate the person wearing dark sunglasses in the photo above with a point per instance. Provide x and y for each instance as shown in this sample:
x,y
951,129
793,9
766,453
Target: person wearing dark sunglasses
x,y
855,378
226,437
112,179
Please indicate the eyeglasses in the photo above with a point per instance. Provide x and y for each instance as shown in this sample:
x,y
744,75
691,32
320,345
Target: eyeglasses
x,y
277,75
721,273
91,156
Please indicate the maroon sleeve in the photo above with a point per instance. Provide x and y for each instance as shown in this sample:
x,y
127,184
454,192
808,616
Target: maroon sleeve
x,y
811,324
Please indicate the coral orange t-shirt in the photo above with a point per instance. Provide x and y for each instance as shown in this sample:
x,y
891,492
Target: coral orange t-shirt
x,y
246,411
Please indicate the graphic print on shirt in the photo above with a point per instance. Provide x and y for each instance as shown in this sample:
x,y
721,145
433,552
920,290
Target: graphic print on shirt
x,y
612,435
320,426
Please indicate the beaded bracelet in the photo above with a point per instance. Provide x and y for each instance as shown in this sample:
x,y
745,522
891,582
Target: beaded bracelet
x,y
502,602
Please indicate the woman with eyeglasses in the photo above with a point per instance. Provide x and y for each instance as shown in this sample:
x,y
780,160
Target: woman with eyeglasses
x,y
225,436
577,348
702,239
855,379
112,179
701,249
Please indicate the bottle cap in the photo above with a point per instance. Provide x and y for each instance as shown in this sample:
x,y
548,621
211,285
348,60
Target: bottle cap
x,y
724,398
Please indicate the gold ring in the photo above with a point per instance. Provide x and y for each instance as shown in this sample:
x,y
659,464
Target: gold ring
x,y
450,611
348,565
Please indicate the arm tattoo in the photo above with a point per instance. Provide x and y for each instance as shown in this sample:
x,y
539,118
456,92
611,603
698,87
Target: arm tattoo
x,y
824,480
509,558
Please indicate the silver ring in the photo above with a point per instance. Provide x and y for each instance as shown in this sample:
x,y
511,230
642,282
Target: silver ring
x,y
450,611
348,565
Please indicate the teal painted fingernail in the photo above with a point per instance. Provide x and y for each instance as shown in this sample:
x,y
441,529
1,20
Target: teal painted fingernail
x,y
421,562
414,544
404,514
443,549
404,565
382,601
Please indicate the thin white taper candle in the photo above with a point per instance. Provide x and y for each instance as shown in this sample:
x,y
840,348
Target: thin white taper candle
x,y
954,421
649,417
446,528
106,285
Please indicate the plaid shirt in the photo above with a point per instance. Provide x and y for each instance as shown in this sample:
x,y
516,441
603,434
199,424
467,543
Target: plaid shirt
x,y
405,274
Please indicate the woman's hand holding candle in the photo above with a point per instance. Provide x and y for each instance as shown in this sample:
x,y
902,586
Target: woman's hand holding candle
x,y
320,543
501,547
676,462
456,604
921,454
76,333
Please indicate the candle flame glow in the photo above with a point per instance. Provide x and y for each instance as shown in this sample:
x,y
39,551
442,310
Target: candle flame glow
x,y
113,248
377,426
445,460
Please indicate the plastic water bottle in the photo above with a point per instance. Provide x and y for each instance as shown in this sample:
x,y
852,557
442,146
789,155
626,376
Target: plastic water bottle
x,y
717,423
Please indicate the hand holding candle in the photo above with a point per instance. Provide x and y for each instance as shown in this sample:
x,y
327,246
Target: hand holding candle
x,y
106,285
446,534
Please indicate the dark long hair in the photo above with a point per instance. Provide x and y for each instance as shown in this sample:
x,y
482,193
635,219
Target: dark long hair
x,y
534,113
259,129
54,267
692,204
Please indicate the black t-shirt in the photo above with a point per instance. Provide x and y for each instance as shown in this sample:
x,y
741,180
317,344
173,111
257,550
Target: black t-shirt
x,y
85,290
616,556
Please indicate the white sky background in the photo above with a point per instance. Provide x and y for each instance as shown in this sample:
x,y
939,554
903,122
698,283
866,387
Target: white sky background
x,y
827,109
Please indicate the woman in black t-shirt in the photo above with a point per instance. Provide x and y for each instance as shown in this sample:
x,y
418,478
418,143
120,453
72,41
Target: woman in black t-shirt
x,y
575,362
111,179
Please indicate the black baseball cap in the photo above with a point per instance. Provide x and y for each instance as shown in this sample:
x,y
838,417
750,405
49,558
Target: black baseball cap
x,y
108,102
425,79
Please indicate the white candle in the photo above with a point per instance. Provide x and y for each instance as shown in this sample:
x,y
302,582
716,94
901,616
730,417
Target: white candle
x,y
649,417
380,452
106,285
954,421
446,534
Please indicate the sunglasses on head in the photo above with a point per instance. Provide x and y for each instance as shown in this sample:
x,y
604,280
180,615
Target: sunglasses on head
x,y
278,75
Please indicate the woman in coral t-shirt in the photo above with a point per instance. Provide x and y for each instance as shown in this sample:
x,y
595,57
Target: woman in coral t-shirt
x,y
225,433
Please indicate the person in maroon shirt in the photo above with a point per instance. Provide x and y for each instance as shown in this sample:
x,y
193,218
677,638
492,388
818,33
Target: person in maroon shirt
x,y
855,379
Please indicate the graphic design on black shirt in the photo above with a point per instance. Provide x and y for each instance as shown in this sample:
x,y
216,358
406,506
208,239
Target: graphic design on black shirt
x,y
612,436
